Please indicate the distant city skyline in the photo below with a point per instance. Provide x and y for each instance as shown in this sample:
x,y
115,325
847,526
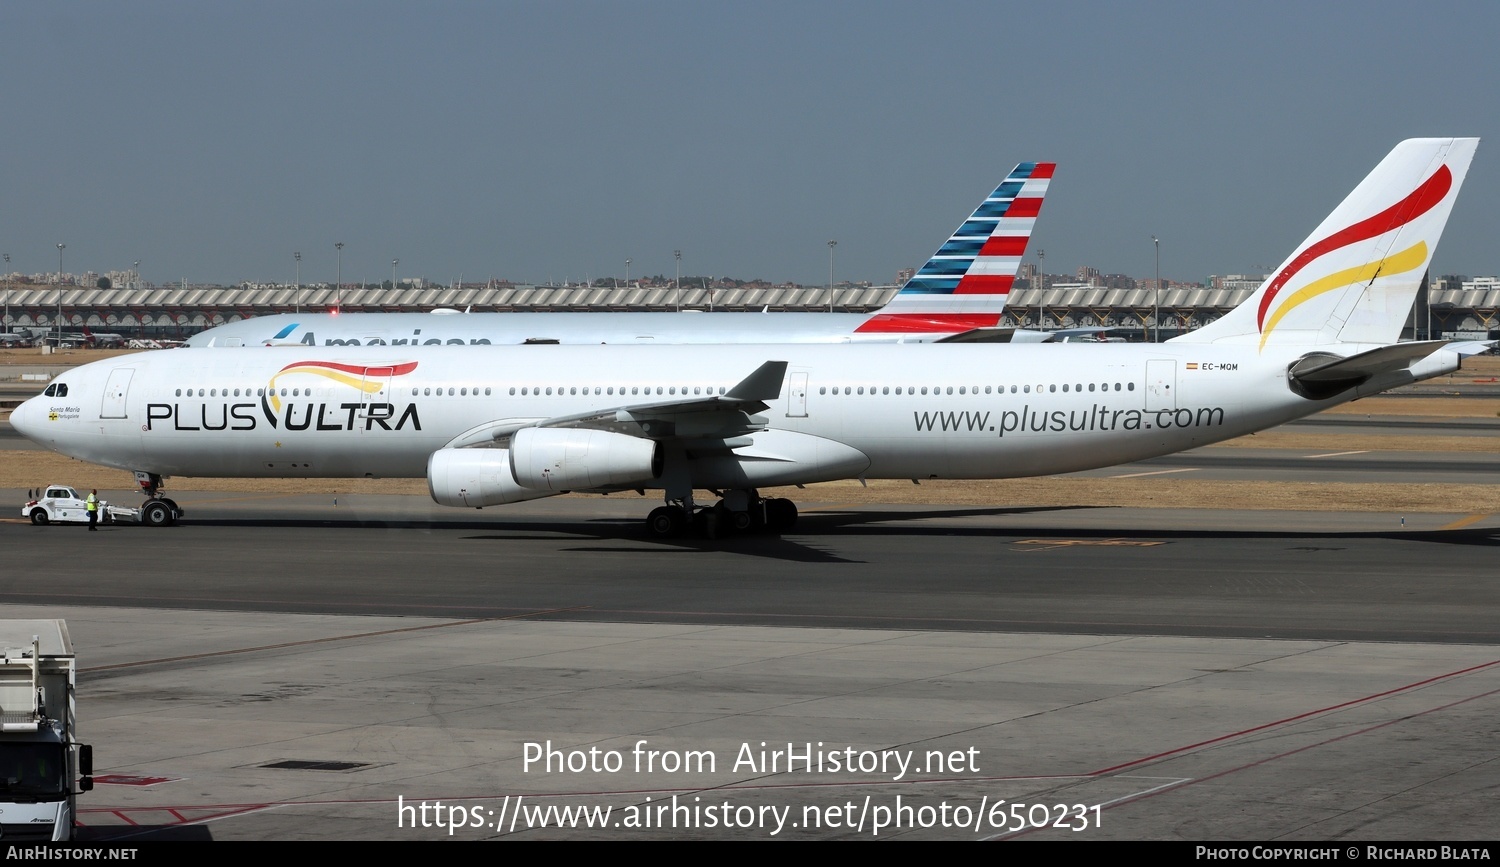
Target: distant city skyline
x,y
544,142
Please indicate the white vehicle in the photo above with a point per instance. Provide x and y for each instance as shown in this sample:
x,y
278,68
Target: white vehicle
x,y
960,291
59,503
64,504
43,767
501,424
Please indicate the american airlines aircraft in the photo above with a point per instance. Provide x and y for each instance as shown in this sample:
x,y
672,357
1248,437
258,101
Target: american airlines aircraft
x,y
493,425
959,294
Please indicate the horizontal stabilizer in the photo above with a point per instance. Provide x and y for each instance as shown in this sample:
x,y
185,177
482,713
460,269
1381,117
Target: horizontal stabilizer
x,y
980,335
1467,348
1331,369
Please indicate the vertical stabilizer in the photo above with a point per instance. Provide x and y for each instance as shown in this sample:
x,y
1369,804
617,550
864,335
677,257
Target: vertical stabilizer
x,y
967,281
1355,278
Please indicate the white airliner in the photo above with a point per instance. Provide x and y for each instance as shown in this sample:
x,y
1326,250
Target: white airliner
x,y
501,424
959,294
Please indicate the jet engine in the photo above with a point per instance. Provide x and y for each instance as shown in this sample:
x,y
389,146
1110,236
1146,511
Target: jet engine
x,y
568,459
473,478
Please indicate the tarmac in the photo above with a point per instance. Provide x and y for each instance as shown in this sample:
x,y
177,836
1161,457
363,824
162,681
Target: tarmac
x,y
288,669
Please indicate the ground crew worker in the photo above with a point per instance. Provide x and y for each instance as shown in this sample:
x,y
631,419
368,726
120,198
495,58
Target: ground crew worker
x,y
92,505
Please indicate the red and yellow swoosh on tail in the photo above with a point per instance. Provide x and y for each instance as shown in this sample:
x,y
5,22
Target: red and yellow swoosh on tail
x,y
1409,259
1423,199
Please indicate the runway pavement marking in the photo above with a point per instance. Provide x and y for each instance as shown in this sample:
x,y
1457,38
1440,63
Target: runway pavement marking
x,y
1156,473
1326,741
1464,522
1054,544
1333,739
326,640
1194,747
1337,454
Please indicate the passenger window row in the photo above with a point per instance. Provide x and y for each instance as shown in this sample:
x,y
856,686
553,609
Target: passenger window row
x,y
974,389
224,392
571,391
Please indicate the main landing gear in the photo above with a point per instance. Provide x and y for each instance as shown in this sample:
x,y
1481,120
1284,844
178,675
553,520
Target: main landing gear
x,y
736,512
157,511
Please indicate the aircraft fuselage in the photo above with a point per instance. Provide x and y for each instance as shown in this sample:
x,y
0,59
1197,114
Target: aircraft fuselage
x,y
923,412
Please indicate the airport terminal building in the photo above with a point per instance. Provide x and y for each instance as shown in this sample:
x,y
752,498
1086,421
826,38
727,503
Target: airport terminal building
x,y
1470,308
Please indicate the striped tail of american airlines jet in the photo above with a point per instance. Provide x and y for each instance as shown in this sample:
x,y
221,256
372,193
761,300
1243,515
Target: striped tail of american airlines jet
x,y
967,281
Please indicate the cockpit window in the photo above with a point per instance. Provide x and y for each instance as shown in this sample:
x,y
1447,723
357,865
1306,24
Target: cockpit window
x,y
51,390
57,389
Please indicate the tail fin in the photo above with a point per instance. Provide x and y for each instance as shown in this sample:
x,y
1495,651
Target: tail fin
x,y
966,282
1355,278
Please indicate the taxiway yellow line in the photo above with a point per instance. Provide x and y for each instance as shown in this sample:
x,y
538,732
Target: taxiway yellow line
x,y
1464,522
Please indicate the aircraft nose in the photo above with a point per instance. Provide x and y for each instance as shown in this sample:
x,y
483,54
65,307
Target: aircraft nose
x,y
24,418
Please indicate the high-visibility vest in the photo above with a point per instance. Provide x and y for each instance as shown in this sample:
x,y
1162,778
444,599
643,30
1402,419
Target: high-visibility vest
x,y
92,504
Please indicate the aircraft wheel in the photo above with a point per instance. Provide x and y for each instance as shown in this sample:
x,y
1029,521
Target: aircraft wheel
x,y
665,522
740,521
39,517
781,515
156,514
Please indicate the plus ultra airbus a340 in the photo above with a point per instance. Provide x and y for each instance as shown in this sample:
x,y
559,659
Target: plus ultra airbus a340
x,y
490,425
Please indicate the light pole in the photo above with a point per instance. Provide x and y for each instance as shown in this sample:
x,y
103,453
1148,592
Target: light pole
x,y
627,275
1156,295
7,293
394,263
1041,286
1426,281
677,254
60,248
297,285
831,245
338,292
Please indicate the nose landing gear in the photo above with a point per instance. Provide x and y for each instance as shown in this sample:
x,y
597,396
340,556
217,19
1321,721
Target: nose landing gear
x,y
157,511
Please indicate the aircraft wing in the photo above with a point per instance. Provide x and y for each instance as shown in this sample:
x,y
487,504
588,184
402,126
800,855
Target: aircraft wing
x,y
697,421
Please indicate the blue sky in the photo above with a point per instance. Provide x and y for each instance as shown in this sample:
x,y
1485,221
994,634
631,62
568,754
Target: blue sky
x,y
536,141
